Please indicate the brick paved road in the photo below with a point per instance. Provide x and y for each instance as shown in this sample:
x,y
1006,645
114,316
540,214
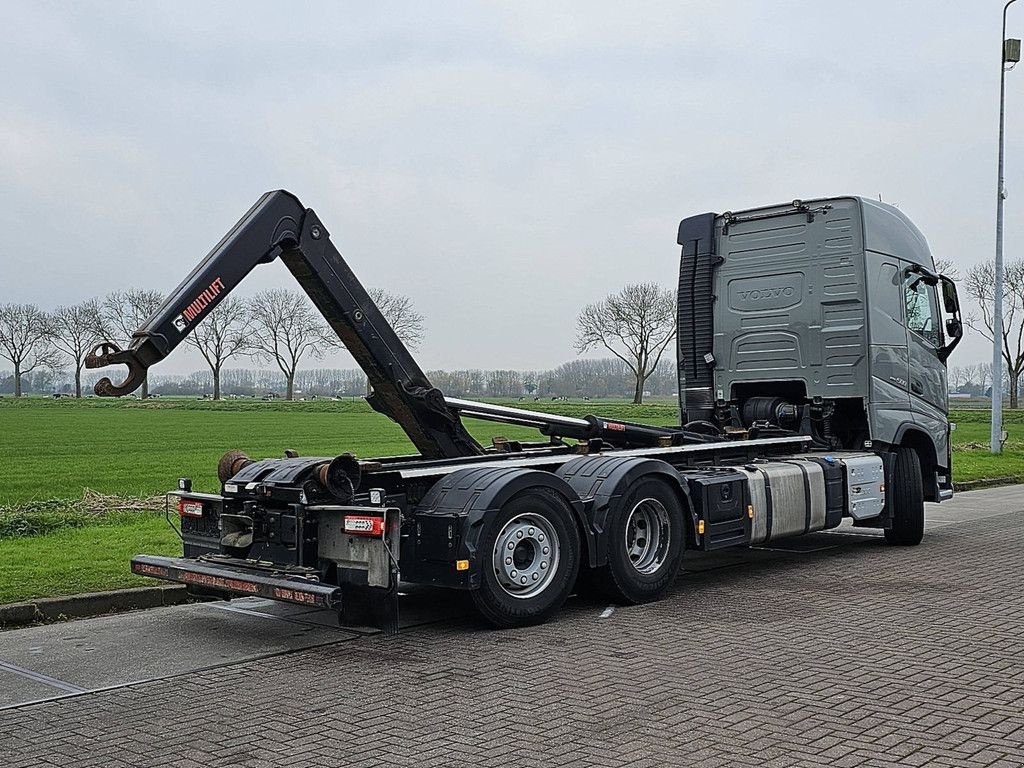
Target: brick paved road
x,y
857,655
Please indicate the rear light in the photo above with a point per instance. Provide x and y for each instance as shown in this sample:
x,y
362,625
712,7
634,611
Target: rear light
x,y
188,508
364,525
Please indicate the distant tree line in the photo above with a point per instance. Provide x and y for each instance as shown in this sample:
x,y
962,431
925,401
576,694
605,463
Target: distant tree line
x,y
605,377
976,381
577,379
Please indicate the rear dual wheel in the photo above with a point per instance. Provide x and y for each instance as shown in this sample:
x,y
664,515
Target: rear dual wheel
x,y
531,556
645,540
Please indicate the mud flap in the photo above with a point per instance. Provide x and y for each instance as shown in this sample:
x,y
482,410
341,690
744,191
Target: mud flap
x,y
369,607
366,561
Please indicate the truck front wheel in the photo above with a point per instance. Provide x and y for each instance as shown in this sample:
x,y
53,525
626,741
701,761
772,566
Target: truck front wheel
x,y
531,556
645,542
906,494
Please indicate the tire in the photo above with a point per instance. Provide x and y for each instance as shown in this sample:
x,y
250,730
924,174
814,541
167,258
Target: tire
x,y
531,522
906,493
640,570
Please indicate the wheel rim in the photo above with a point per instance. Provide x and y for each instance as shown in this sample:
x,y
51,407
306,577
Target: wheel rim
x,y
525,555
647,536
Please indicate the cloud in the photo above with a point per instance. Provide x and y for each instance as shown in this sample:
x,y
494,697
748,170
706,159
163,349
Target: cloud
x,y
501,164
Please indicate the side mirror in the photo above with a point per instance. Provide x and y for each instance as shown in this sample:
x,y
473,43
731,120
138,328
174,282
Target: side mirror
x,y
955,331
949,298
954,327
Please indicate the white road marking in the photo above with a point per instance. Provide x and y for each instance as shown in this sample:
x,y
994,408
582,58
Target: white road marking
x,y
254,602
257,614
930,519
39,677
607,611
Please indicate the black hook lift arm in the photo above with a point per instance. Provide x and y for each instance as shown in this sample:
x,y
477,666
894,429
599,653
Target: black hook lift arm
x,y
279,226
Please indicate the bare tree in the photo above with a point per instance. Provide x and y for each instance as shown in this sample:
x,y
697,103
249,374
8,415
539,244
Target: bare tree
x,y
504,383
220,336
980,285
25,340
73,334
401,315
983,372
284,327
121,313
948,268
960,376
636,325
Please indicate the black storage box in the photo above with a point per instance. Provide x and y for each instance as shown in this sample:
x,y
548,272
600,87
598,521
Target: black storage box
x,y
721,499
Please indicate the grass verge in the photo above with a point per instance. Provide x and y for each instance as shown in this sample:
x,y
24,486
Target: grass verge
x,y
88,559
40,517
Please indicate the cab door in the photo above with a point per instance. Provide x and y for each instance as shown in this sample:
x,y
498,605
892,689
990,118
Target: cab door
x,y
927,371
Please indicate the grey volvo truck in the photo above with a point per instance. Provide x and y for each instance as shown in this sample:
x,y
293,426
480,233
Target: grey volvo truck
x,y
812,351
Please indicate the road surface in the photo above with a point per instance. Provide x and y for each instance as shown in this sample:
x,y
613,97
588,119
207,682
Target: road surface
x,y
830,650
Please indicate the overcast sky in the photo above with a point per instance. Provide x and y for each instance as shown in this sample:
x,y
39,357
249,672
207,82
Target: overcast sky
x,y
501,164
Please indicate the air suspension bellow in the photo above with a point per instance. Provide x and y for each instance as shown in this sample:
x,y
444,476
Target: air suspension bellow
x,y
231,463
341,476
774,410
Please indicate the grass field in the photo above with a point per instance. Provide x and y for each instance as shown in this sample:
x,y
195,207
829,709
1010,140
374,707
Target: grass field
x,y
56,449
972,459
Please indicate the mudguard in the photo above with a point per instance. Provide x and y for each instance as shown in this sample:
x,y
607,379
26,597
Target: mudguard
x,y
601,480
470,496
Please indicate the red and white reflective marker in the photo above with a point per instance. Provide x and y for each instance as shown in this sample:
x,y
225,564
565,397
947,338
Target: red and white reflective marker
x,y
364,526
190,508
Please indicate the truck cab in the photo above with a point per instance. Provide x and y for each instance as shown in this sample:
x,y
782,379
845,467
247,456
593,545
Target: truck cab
x,y
830,306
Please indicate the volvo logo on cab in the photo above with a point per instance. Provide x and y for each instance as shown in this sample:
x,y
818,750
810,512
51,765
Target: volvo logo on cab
x,y
758,294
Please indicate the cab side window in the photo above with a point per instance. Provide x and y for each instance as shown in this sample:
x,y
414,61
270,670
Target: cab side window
x,y
922,309
887,292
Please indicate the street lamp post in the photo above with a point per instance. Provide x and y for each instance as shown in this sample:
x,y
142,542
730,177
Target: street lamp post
x,y
1008,54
